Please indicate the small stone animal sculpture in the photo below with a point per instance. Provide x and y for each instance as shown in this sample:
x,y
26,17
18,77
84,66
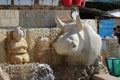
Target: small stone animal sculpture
x,y
42,48
79,42
42,72
17,47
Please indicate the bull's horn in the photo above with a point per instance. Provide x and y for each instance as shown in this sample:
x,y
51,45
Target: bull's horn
x,y
79,26
59,22
78,23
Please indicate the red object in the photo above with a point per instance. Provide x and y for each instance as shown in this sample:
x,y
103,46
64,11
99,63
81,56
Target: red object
x,y
77,2
83,3
66,2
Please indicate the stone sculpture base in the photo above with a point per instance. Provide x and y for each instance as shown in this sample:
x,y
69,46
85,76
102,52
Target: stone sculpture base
x,y
61,72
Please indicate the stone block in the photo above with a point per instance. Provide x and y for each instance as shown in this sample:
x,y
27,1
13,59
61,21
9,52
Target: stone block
x,y
0,23
22,14
3,54
33,38
16,14
22,22
5,22
42,18
38,13
37,22
50,17
116,22
10,14
9,22
28,18
28,22
33,34
30,14
14,22
2,14
63,14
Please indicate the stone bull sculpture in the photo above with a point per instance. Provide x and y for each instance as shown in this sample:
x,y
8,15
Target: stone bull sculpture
x,y
79,42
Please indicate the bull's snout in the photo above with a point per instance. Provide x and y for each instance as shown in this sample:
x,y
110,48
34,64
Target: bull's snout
x,y
74,45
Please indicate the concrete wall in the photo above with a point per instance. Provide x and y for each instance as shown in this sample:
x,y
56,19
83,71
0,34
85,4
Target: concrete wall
x,y
31,18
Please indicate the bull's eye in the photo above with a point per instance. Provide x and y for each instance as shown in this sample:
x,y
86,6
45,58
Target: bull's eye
x,y
71,38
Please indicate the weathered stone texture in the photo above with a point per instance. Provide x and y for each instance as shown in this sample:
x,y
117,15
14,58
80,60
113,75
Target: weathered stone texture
x,y
35,33
116,22
91,22
63,14
0,23
5,22
35,18
9,22
35,44
42,18
112,49
14,22
16,14
2,14
16,72
9,18
3,54
10,14
22,14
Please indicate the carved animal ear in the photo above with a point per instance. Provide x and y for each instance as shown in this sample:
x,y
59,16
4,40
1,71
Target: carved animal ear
x,y
59,22
78,23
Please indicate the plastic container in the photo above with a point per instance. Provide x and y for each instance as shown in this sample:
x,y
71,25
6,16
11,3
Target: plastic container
x,y
77,2
113,65
67,2
83,3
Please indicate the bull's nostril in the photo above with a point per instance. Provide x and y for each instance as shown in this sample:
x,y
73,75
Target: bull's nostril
x,y
73,46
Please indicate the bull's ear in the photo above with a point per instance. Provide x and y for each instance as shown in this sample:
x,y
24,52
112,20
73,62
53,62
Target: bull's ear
x,y
59,22
78,23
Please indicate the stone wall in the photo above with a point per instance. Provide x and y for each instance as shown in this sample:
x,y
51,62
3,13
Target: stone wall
x,y
41,32
38,24
38,49
31,18
117,22
3,51
112,48
9,18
